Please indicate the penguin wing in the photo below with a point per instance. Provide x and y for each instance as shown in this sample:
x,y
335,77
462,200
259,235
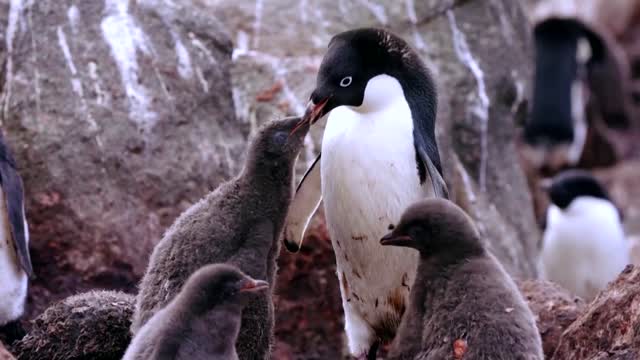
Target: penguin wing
x,y
305,203
14,205
439,186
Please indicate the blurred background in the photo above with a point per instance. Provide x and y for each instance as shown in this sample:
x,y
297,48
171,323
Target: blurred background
x,y
122,113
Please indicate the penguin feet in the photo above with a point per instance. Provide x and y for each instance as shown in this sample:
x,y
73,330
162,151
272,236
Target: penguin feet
x,y
373,350
360,335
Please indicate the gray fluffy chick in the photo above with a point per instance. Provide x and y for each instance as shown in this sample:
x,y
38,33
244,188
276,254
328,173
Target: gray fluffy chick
x,y
239,223
463,304
202,322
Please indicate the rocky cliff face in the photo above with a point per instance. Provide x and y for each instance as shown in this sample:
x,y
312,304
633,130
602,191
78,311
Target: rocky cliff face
x,y
122,113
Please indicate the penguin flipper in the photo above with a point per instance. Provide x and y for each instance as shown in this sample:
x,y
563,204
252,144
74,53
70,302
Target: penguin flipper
x,y
305,203
439,185
14,205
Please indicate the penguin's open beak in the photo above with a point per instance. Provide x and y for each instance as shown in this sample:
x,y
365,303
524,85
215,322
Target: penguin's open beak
x,y
314,111
396,240
254,285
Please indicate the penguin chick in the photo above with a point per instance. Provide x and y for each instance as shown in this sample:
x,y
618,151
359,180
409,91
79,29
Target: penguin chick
x,y
15,261
239,224
202,321
584,245
93,325
463,304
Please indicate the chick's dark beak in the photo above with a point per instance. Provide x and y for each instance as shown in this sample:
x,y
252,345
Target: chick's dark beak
x,y
396,240
254,285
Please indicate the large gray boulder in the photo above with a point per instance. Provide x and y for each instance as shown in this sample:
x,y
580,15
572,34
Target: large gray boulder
x,y
120,114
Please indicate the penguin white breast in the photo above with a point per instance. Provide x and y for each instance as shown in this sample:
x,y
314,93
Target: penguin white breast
x,y
369,176
13,280
584,246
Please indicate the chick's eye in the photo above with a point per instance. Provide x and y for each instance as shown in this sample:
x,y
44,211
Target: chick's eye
x,y
346,81
279,139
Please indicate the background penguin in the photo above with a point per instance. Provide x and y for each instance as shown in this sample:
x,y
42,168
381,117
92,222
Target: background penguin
x,y
239,223
15,261
462,301
202,321
379,154
92,325
576,84
584,246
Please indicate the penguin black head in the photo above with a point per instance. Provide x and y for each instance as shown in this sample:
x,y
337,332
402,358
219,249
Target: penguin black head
x,y
436,227
353,58
277,143
217,285
571,184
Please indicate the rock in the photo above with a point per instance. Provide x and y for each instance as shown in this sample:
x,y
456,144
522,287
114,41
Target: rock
x,y
307,300
5,354
92,325
610,326
120,115
554,308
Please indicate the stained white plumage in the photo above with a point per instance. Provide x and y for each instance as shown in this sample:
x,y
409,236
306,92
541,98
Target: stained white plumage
x,y
13,279
584,246
369,176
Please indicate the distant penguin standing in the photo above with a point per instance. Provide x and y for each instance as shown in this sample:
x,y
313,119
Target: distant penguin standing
x,y
579,95
584,245
379,154
15,261
463,303
202,321
239,223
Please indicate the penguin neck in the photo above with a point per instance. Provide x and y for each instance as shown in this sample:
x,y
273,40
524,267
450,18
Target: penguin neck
x,y
381,93
270,183
455,255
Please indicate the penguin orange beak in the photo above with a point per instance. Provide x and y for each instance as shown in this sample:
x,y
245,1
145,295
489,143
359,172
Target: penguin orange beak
x,y
314,111
311,114
396,240
254,285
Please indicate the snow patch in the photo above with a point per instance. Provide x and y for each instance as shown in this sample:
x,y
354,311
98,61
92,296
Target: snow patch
x,y
184,60
257,25
481,107
125,39
73,15
242,45
200,46
15,10
64,46
203,82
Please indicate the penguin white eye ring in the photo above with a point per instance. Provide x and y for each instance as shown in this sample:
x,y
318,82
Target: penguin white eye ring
x,y
346,81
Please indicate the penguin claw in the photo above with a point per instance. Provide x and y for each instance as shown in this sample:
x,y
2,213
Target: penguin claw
x,y
373,351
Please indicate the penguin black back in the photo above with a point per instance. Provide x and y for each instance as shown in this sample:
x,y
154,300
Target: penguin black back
x,y
556,69
462,298
202,321
571,184
239,223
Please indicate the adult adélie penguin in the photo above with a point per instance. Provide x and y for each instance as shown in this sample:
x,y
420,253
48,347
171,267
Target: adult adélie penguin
x,y
15,261
379,154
